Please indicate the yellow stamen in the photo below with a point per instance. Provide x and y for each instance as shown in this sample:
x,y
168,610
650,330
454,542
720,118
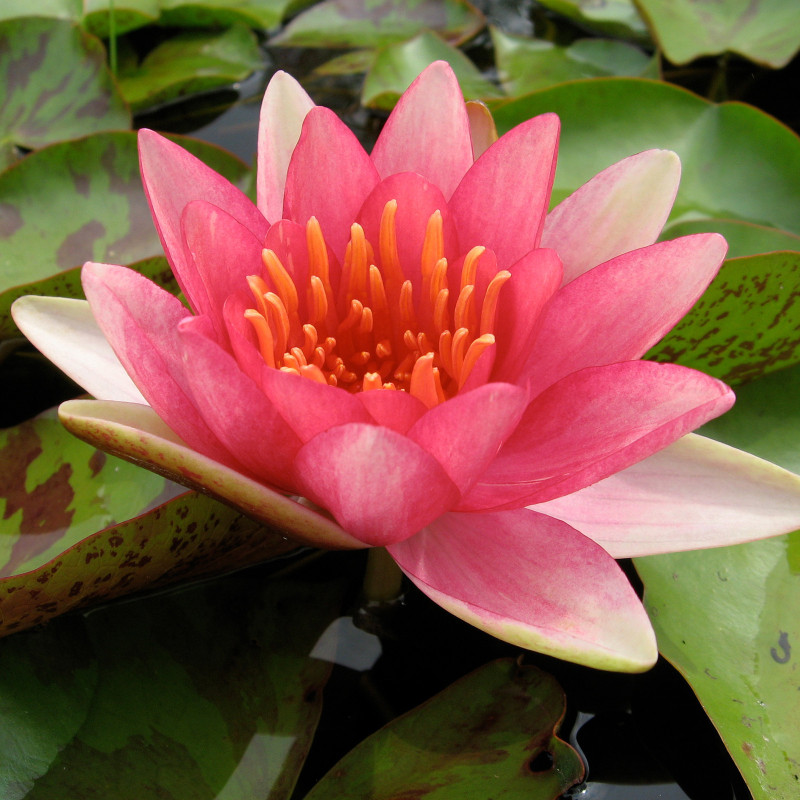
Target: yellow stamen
x,y
474,352
266,344
490,301
281,280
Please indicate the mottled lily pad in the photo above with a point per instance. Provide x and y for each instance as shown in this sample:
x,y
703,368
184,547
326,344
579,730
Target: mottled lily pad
x,y
82,201
360,23
525,65
190,63
79,527
741,654
493,728
396,66
765,31
56,86
745,325
209,692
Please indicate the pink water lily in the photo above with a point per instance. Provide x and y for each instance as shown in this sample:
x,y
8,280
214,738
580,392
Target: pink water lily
x,y
412,344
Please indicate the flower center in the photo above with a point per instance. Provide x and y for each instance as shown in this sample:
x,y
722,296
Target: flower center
x,y
376,336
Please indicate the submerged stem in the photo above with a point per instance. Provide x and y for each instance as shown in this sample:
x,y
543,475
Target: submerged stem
x,y
383,579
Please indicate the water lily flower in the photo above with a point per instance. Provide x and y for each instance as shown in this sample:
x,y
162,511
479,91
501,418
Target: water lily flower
x,y
408,341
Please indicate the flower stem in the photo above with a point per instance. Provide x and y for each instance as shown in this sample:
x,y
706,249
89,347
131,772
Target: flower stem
x,y
383,580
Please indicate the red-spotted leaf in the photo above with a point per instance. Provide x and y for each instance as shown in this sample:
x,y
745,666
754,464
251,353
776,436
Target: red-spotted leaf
x,y
55,86
490,734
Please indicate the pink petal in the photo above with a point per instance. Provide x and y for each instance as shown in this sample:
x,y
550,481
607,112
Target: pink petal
x,y
140,321
502,200
395,410
534,582
66,332
224,252
428,131
137,434
329,176
696,493
172,178
236,410
593,423
534,280
616,311
464,434
379,485
622,208
283,110
482,130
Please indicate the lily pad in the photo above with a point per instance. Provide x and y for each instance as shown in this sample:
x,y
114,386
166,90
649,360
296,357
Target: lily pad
x,y
745,325
744,238
204,693
82,201
526,65
765,31
361,23
493,728
617,18
56,86
738,163
740,654
259,14
396,66
79,527
190,63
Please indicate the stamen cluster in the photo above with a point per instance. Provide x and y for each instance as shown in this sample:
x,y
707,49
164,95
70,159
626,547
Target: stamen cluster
x,y
376,334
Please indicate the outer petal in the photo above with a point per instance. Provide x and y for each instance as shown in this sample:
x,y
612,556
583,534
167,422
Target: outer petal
x,y
618,310
428,131
242,418
696,493
65,330
379,485
396,410
329,176
465,433
622,208
172,178
283,110
140,322
136,434
502,200
594,423
532,581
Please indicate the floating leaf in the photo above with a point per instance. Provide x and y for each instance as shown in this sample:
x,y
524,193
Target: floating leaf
x,y
260,14
738,163
618,18
741,655
526,65
204,693
189,63
396,66
78,201
745,325
79,527
766,31
744,238
495,727
56,86
361,23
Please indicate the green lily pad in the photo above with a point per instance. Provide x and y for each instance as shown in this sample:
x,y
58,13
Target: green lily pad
x,y
745,325
497,724
617,18
82,201
738,163
740,654
56,86
526,65
744,238
765,31
396,66
259,14
190,63
92,14
350,63
209,692
362,23
79,527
